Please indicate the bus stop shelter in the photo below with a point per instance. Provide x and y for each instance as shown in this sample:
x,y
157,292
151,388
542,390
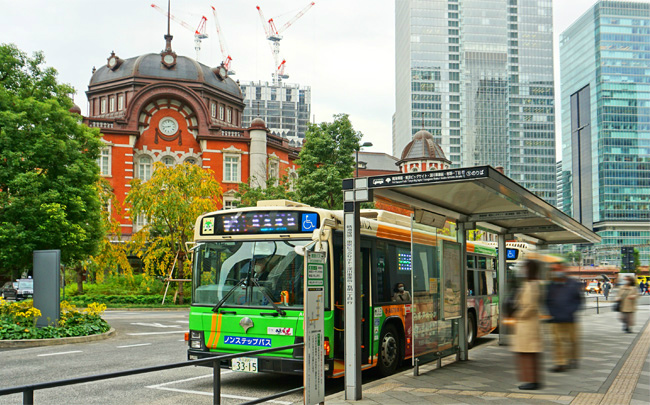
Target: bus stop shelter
x,y
474,198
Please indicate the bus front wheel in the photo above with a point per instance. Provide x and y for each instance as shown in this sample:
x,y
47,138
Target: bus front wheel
x,y
389,351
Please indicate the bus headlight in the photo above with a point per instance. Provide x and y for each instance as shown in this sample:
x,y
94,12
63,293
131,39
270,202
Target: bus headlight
x,y
196,339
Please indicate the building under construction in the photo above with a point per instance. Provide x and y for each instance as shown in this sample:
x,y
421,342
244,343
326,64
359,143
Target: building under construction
x,y
284,107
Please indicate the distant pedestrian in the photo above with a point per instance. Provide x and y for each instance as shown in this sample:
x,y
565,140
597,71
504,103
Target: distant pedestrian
x,y
642,287
627,303
527,339
607,286
563,299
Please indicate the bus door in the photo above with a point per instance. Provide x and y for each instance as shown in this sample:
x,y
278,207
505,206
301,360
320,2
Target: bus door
x,y
366,316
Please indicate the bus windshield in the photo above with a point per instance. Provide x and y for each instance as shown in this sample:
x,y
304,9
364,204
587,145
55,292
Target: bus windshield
x,y
256,271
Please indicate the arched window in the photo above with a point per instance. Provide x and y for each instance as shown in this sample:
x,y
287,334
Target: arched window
x,y
144,168
169,161
191,161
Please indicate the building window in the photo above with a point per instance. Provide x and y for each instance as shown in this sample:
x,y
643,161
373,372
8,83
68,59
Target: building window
x,y
144,168
191,161
102,104
169,161
231,169
274,171
229,203
288,95
120,102
104,162
213,110
140,222
111,104
229,115
221,112
293,180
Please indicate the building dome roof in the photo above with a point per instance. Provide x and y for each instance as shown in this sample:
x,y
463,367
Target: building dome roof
x,y
150,66
423,147
75,109
258,123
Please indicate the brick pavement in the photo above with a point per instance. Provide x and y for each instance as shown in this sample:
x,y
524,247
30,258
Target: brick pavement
x,y
614,370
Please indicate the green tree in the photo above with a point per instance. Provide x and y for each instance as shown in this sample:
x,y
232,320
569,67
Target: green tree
x,y
170,202
326,158
48,170
248,195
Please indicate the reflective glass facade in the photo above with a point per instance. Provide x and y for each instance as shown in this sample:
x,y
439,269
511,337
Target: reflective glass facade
x,y
605,81
478,75
285,108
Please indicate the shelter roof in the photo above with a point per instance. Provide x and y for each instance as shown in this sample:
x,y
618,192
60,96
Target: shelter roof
x,y
483,196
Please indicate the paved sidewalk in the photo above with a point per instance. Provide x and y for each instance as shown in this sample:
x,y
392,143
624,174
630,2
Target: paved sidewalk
x,y
614,370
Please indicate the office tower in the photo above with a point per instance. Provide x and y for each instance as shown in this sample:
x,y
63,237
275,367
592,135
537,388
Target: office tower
x,y
478,75
605,82
284,107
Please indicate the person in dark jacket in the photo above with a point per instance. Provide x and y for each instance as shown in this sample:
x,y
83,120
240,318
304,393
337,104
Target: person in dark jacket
x,y
564,298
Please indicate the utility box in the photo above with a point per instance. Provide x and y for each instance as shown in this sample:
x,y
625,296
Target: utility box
x,y
47,289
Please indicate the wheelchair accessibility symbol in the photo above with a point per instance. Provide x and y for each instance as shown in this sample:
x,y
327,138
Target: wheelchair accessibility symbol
x,y
309,222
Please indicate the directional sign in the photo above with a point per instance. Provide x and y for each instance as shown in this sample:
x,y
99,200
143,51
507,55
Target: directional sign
x,y
438,176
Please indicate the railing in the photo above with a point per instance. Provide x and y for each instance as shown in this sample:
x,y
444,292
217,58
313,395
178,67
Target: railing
x,y
232,133
100,124
28,390
601,303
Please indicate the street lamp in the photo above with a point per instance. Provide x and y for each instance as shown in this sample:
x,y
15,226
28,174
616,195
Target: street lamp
x,y
364,145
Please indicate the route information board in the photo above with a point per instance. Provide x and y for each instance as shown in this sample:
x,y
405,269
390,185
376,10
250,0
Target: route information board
x,y
314,366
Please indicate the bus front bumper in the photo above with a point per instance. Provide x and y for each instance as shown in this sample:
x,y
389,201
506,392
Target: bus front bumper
x,y
282,365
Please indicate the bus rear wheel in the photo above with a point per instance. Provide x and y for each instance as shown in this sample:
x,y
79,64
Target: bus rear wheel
x,y
389,351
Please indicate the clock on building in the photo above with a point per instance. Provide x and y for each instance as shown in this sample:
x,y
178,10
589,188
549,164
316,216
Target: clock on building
x,y
222,73
168,59
168,126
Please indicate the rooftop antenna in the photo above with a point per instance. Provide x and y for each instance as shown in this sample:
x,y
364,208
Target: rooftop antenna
x,y
423,120
168,37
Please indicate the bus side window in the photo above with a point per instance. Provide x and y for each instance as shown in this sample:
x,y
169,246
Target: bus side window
x,y
471,288
482,283
384,293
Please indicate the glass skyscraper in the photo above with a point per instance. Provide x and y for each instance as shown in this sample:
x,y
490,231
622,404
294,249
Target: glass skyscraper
x,y
605,81
478,75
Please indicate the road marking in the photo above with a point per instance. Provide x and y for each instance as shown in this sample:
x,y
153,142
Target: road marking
x,y
155,333
183,321
56,354
155,325
139,344
162,387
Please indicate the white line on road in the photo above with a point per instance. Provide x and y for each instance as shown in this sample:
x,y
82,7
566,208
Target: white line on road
x,y
139,344
155,333
56,354
155,325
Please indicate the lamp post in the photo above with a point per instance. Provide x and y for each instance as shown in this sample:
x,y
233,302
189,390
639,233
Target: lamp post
x,y
364,145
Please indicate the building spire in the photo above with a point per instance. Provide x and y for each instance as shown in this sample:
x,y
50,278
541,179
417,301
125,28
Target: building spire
x,y
168,37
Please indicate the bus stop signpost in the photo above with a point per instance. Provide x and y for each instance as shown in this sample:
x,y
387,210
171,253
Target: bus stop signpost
x,y
314,371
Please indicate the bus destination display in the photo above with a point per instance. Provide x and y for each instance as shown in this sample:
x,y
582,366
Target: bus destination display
x,y
263,222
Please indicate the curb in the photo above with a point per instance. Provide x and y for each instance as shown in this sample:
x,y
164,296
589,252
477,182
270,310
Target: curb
x,y
147,309
14,344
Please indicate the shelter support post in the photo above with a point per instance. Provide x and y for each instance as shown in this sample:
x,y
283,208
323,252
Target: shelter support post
x,y
503,292
461,237
352,239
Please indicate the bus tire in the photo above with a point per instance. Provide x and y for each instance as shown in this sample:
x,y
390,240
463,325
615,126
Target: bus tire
x,y
389,351
471,329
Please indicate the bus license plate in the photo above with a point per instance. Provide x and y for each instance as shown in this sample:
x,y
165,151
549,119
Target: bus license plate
x,y
244,364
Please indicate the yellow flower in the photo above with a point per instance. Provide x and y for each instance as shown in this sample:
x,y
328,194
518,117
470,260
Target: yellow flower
x,y
26,330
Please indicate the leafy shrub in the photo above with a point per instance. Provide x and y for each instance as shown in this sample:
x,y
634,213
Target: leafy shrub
x,y
138,284
86,299
18,321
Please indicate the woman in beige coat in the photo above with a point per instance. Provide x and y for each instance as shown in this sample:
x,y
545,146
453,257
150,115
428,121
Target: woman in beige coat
x,y
527,339
627,300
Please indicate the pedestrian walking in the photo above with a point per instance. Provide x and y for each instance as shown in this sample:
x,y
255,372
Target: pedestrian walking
x,y
642,287
607,286
563,299
527,338
627,303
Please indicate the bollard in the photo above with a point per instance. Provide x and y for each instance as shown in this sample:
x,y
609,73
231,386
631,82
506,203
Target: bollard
x,y
28,397
216,383
597,306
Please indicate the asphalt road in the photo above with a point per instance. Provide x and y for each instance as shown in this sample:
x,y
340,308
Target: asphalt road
x,y
144,338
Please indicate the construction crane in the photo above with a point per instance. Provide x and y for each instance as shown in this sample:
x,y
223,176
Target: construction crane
x,y
275,36
199,32
222,44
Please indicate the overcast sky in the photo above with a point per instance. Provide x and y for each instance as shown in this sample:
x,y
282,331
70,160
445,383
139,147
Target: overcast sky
x,y
343,49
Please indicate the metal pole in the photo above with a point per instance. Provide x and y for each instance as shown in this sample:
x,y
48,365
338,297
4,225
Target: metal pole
x,y
597,306
461,237
28,397
503,292
357,163
352,240
216,383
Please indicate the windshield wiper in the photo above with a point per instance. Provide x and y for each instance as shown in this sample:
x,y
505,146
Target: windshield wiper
x,y
228,294
268,297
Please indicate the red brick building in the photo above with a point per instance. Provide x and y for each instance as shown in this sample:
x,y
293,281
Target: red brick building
x,y
173,109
